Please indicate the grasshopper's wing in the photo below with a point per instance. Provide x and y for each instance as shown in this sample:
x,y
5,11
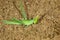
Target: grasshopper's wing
x,y
16,20
13,21
10,22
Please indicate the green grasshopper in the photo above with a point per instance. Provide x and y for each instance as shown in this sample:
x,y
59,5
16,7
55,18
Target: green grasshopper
x,y
25,21
20,22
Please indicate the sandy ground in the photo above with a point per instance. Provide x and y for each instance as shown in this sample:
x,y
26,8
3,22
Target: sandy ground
x,y
47,28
